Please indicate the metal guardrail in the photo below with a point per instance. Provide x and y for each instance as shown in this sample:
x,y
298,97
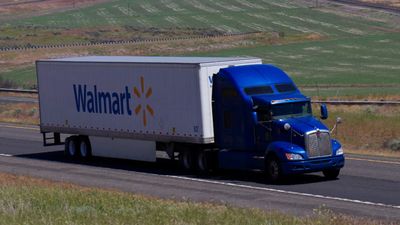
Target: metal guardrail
x,y
355,102
11,90
330,102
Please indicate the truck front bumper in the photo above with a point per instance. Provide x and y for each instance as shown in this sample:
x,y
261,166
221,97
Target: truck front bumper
x,y
313,165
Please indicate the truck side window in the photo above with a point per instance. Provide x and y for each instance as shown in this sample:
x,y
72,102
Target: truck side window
x,y
258,90
282,88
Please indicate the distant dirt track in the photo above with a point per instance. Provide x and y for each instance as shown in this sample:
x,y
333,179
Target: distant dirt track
x,y
20,3
370,5
80,44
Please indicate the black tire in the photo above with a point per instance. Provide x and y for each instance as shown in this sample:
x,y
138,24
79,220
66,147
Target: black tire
x,y
331,174
205,162
85,149
71,148
273,169
186,159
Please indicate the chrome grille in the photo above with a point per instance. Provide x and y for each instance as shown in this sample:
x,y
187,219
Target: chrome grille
x,y
318,144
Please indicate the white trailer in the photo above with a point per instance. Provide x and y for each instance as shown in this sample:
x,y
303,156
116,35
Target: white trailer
x,y
128,106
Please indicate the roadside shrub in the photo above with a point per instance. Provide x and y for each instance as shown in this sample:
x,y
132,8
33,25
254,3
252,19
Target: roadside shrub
x,y
393,144
5,83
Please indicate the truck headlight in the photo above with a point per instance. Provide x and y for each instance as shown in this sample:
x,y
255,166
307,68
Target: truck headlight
x,y
339,151
293,156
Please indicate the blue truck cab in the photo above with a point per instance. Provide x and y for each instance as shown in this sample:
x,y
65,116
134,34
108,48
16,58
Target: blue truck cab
x,y
263,122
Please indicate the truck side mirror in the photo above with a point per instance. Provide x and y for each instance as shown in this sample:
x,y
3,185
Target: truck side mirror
x,y
324,112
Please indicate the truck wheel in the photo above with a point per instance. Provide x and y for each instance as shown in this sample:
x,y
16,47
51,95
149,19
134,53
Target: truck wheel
x,y
273,169
205,162
85,149
331,174
186,159
71,146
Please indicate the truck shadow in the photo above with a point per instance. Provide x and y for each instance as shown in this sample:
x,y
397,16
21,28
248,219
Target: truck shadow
x,y
172,168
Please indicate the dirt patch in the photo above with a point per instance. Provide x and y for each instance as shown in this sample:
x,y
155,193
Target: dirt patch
x,y
395,3
356,9
25,8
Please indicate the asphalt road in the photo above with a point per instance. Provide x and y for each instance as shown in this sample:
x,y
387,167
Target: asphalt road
x,y
367,186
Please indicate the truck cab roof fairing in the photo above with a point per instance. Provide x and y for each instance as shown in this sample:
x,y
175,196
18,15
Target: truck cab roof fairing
x,y
256,75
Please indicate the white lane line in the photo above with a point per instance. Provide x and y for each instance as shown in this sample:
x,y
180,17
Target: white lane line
x,y
6,155
373,160
285,192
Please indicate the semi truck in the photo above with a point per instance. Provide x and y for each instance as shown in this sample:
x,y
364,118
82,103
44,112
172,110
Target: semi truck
x,y
207,112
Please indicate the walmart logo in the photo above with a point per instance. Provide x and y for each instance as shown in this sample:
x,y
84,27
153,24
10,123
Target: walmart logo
x,y
92,100
143,94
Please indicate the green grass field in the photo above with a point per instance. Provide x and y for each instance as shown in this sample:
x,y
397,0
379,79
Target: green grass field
x,y
349,49
371,59
291,17
22,77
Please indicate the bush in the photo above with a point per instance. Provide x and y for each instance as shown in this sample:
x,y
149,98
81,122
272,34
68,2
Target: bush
x,y
393,144
5,83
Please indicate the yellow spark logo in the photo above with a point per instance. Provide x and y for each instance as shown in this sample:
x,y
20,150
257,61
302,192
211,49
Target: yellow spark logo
x,y
146,95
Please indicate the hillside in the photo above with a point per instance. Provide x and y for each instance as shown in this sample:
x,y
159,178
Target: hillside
x,y
329,44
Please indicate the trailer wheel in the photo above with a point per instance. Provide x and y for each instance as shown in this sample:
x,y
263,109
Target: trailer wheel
x,y
331,174
273,169
71,146
85,149
186,159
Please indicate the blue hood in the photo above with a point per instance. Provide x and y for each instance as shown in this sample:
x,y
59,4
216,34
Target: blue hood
x,y
302,124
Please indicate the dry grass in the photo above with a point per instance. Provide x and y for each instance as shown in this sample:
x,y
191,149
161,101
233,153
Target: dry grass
x,y
395,3
27,200
12,180
27,113
21,95
10,9
367,129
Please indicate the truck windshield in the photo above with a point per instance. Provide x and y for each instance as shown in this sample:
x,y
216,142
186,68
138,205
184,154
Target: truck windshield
x,y
294,109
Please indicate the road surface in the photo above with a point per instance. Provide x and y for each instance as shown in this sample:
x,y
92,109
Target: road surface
x,y
367,186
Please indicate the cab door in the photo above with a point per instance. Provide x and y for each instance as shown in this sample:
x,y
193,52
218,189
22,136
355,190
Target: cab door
x,y
263,127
